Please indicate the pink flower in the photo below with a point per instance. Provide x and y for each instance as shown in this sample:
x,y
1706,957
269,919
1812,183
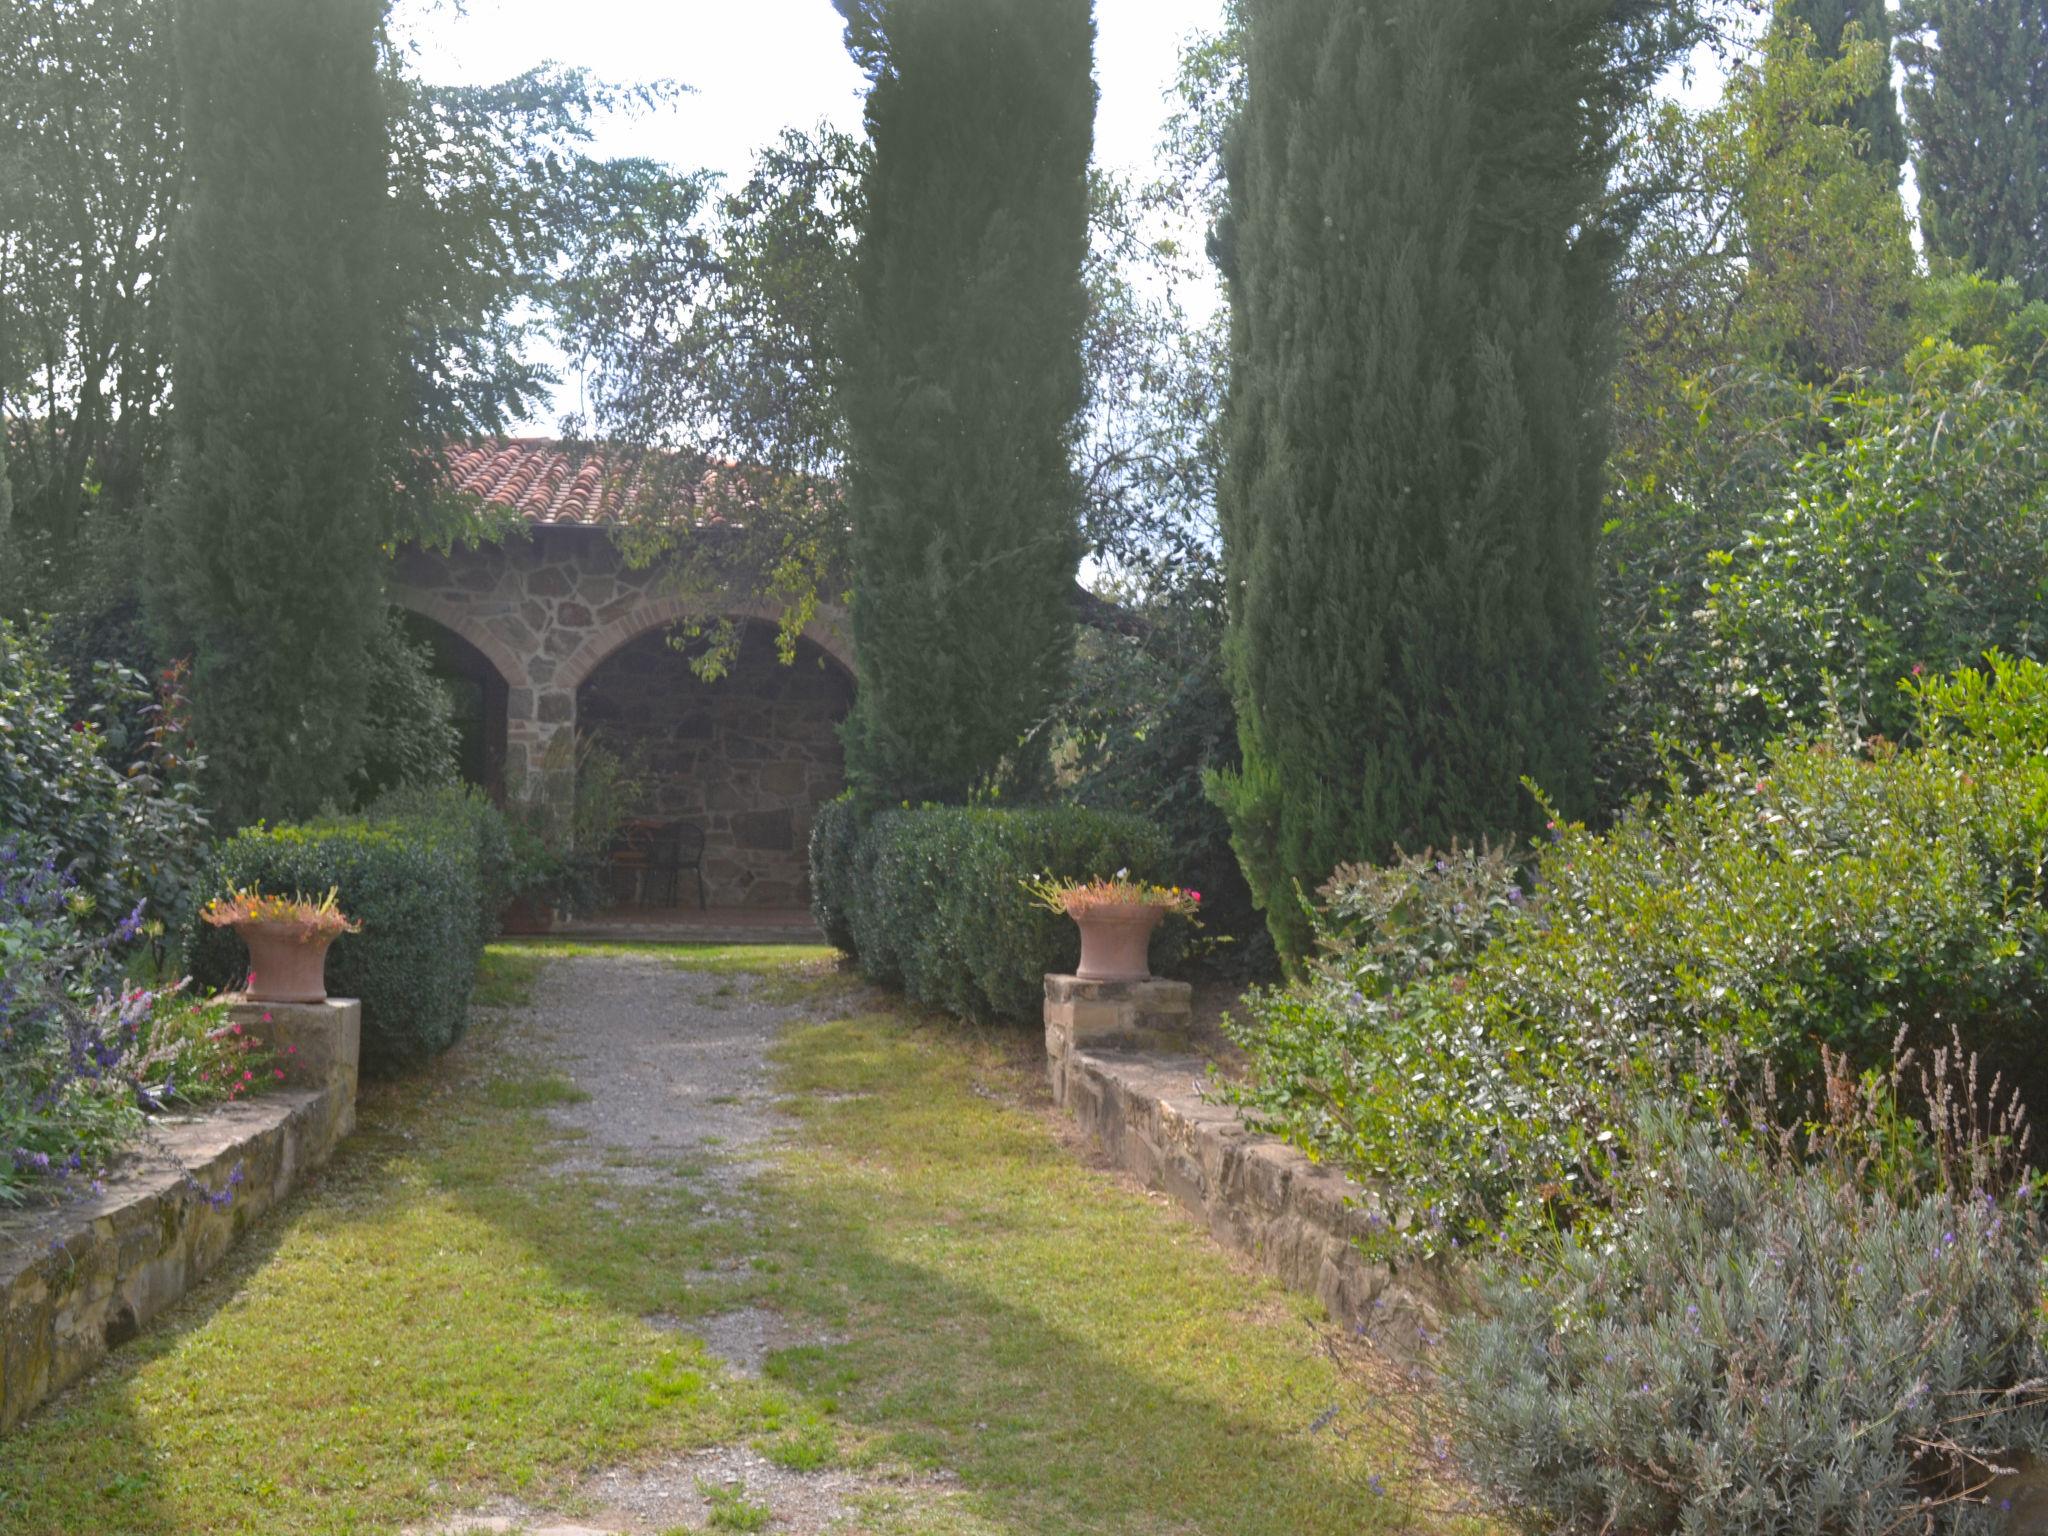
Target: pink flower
x,y
1194,895
267,1019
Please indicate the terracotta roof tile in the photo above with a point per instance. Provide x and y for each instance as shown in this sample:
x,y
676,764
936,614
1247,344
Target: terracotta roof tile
x,y
556,484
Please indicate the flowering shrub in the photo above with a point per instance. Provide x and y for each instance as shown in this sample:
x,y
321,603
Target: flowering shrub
x,y
83,1059
1835,898
102,781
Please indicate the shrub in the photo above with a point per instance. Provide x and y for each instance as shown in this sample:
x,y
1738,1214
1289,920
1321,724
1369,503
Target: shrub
x,y
1912,532
101,781
418,888
934,899
835,835
466,818
83,1058
1766,1347
1836,898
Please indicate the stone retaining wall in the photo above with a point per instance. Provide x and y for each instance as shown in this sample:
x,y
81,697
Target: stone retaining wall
x,y
1121,1064
85,1277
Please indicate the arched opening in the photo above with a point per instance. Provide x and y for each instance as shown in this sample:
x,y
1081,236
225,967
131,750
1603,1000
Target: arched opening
x,y
479,695
746,760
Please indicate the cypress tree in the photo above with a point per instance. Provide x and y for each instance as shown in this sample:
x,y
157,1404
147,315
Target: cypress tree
x,y
1875,115
963,382
270,537
1419,250
1977,94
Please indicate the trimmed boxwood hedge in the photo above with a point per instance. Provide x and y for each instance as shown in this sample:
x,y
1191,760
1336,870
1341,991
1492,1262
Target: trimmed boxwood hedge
x,y
932,900
420,886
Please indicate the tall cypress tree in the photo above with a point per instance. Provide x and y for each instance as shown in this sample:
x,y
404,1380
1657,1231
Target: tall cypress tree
x,y
1977,94
1875,115
964,381
269,540
1419,248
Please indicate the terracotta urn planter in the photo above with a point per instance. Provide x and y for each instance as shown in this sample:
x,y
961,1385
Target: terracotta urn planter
x,y
1116,939
287,961
287,938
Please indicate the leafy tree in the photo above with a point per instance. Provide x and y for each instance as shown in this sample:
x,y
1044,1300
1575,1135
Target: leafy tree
x,y
1872,112
1420,248
1977,95
490,187
89,170
964,383
282,343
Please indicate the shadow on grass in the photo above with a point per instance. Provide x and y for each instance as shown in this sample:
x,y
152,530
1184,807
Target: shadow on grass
x,y
436,1320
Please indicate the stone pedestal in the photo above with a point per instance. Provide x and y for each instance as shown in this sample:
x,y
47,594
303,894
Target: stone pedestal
x,y
319,1046
1089,1016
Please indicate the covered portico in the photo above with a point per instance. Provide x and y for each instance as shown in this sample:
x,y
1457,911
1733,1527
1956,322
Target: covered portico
x,y
549,630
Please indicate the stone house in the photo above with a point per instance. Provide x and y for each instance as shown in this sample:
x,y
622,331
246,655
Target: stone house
x,y
549,630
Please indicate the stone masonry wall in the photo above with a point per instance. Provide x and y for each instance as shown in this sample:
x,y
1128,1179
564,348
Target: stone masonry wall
x,y
88,1275
747,758
547,609
1121,1065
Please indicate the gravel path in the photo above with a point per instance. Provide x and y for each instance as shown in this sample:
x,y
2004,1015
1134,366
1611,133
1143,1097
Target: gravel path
x,y
675,1066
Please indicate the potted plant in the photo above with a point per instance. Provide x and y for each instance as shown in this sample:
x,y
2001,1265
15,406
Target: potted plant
x,y
287,939
1117,918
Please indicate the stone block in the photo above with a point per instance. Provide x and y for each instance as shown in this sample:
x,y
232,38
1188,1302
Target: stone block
x,y
319,1045
773,831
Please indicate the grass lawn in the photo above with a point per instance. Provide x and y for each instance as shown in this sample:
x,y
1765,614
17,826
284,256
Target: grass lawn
x,y
439,1319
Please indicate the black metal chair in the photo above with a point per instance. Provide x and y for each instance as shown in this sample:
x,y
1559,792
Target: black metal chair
x,y
677,847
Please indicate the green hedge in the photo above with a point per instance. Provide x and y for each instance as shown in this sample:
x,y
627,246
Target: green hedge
x,y
420,885
835,837
932,900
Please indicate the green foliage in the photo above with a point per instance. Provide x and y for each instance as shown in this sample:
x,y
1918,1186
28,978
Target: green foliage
x,y
934,901
1419,249
100,781
418,886
1912,534
1872,114
1766,1347
835,839
272,532
1148,719
89,176
462,817
1978,100
1826,251
409,734
1837,898
964,379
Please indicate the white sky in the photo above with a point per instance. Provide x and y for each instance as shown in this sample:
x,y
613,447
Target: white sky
x,y
759,66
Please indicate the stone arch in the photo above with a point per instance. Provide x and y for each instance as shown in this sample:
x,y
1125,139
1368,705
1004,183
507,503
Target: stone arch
x,y
827,634
452,617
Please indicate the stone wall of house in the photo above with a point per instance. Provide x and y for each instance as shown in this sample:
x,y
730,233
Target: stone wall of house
x,y
547,608
747,758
